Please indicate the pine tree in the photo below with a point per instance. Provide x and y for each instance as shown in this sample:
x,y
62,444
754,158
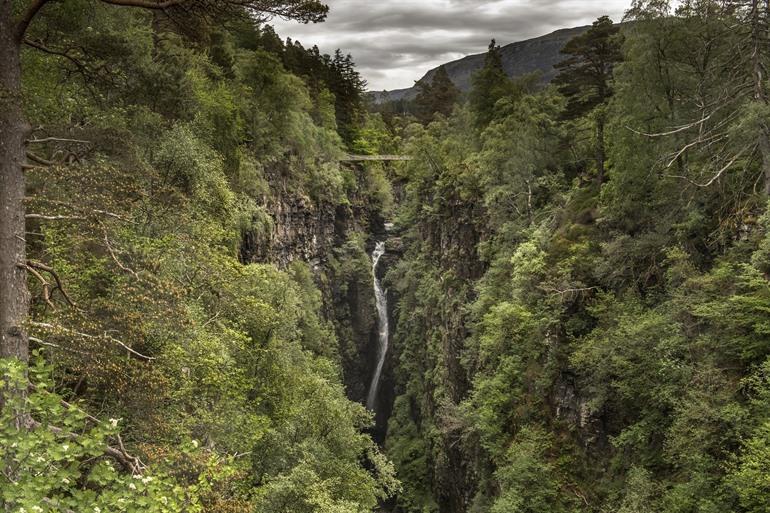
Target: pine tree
x,y
585,78
490,84
436,97
348,88
731,80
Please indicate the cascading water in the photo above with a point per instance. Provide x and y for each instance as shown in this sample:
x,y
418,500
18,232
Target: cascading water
x,y
382,322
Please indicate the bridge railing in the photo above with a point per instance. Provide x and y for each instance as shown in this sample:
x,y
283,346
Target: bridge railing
x,y
376,158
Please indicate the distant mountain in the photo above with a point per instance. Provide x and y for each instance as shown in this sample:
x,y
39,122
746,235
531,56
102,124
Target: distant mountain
x,y
521,58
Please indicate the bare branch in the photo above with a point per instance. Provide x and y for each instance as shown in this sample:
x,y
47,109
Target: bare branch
x,y
212,319
699,140
43,342
56,139
43,283
39,160
107,337
131,463
42,267
145,4
105,213
44,217
115,257
719,173
673,131
306,11
572,293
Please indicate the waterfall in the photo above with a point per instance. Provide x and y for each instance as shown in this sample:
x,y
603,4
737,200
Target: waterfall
x,y
382,322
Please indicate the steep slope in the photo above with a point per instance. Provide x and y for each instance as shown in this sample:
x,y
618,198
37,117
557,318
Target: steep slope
x,y
520,58
197,214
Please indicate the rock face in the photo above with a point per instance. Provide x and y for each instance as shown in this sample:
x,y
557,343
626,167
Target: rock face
x,y
336,241
520,58
301,230
306,229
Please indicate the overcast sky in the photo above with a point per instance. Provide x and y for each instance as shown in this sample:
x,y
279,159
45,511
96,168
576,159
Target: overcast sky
x,y
394,42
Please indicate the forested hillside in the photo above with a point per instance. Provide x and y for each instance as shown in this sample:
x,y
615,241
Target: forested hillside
x,y
576,275
188,228
584,296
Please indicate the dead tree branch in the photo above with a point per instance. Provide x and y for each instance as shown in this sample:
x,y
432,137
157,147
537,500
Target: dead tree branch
x,y
43,217
56,139
115,258
51,327
27,17
34,265
719,173
43,283
40,160
130,463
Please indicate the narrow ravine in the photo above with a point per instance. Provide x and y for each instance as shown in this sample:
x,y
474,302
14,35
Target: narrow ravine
x,y
382,322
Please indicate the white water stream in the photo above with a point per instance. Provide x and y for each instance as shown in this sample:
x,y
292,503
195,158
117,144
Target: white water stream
x,y
382,322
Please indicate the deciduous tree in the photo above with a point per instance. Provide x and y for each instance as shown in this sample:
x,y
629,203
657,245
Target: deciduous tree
x,y
15,20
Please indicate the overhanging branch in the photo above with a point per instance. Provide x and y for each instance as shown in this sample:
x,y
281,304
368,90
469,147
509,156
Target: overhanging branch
x,y
51,327
27,17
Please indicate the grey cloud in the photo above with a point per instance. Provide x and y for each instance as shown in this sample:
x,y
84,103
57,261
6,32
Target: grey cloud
x,y
394,42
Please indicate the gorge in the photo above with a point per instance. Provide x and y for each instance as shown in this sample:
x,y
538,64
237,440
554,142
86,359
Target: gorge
x,y
248,289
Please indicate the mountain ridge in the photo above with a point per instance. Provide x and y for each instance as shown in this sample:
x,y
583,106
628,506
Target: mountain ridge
x,y
520,58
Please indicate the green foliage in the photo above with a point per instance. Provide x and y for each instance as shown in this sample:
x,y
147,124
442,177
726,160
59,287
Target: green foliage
x,y
437,97
749,477
60,462
490,84
195,144
585,76
558,346
186,163
528,480
332,80
573,346
407,449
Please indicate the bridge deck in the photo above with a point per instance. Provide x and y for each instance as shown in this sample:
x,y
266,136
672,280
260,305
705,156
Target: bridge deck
x,y
376,158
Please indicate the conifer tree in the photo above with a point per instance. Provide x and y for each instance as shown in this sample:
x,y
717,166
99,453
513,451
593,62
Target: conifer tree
x,y
585,78
490,84
436,97
348,88
731,80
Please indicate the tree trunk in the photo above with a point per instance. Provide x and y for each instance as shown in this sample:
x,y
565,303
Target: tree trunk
x,y
759,38
14,295
600,152
764,150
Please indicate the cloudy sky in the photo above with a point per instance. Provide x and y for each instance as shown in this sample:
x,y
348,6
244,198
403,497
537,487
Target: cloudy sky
x,y
394,42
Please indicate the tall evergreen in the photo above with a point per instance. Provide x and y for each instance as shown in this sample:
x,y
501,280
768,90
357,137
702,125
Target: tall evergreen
x,y
490,84
730,77
585,78
323,73
348,88
437,96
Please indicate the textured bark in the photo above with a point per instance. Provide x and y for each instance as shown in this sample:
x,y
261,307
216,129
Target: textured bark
x,y
764,150
759,37
600,151
14,295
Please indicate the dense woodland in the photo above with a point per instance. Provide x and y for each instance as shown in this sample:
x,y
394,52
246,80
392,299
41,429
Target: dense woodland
x,y
579,272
